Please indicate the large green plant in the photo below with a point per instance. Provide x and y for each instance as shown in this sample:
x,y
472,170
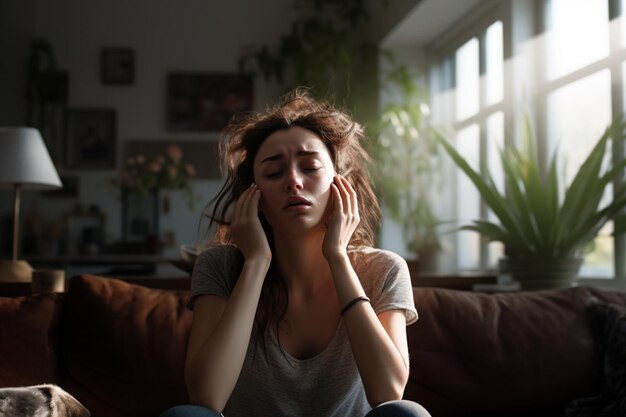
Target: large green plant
x,y
408,159
536,223
319,52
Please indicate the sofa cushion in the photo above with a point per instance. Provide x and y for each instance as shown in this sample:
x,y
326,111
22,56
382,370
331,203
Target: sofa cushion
x,y
28,340
125,346
608,325
474,353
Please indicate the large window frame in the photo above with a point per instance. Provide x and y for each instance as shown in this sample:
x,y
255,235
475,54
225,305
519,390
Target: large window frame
x,y
531,22
442,61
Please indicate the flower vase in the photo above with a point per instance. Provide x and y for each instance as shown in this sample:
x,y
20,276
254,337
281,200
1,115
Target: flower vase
x,y
140,215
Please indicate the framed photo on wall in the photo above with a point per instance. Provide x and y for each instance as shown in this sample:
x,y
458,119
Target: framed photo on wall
x,y
91,138
117,66
205,102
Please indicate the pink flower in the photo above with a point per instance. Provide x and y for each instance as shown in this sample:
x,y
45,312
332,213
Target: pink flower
x,y
140,159
154,167
190,170
175,152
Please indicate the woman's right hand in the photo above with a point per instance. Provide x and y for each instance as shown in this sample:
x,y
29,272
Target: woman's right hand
x,y
246,228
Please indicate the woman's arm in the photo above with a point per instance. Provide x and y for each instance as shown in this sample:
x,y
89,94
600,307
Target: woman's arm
x,y
379,342
221,329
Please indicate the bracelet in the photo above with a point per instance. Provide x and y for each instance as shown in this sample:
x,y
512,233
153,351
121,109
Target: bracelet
x,y
352,303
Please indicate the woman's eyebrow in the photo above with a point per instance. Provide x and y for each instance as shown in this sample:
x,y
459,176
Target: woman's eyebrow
x,y
280,156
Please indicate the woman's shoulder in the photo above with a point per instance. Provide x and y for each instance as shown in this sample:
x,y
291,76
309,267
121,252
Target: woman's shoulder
x,y
218,254
371,255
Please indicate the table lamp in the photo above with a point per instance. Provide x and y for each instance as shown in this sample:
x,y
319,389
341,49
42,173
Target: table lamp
x,y
24,163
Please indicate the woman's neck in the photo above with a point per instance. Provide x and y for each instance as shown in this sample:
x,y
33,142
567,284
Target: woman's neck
x,y
302,263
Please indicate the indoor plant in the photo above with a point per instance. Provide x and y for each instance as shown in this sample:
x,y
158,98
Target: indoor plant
x,y
544,233
408,158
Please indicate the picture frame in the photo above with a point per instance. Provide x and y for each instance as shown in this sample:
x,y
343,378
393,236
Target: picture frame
x,y
48,111
117,66
205,102
91,138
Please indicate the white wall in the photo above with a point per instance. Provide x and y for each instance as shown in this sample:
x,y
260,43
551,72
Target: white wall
x,y
183,35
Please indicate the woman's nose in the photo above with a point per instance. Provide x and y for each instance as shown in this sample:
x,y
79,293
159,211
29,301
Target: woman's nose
x,y
294,180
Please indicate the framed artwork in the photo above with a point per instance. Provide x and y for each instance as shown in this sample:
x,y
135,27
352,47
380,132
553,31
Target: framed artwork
x,y
46,110
205,102
203,155
91,137
117,66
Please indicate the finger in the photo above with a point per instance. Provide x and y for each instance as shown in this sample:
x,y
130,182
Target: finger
x,y
337,203
239,210
247,202
253,203
354,203
345,197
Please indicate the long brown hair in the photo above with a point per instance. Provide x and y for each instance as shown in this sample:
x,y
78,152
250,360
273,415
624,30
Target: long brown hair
x,y
240,142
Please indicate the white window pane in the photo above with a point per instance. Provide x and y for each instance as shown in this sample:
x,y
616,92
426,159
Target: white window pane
x,y
577,34
622,23
601,258
467,80
441,93
495,63
468,200
624,84
495,142
578,115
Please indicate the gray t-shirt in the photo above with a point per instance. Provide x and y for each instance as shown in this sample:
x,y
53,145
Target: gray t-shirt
x,y
276,384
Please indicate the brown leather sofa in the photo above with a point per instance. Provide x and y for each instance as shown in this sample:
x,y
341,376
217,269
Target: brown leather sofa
x,y
119,348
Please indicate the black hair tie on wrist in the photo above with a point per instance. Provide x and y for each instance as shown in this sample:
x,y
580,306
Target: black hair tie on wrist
x,y
353,302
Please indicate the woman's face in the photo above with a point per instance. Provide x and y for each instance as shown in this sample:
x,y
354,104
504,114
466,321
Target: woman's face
x,y
294,170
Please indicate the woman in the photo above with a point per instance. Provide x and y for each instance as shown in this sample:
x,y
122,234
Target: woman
x,y
294,312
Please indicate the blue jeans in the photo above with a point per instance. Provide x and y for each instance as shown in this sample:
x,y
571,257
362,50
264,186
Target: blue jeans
x,y
402,408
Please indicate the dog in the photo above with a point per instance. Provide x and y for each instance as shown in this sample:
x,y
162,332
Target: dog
x,y
40,401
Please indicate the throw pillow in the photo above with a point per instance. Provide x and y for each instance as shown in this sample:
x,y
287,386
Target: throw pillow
x,y
28,340
608,325
124,346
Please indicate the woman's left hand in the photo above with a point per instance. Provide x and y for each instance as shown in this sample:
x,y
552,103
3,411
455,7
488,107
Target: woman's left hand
x,y
343,219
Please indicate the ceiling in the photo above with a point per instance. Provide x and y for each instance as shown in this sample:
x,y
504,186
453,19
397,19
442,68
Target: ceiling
x,y
427,20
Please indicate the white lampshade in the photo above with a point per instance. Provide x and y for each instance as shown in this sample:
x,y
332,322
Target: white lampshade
x,y
24,160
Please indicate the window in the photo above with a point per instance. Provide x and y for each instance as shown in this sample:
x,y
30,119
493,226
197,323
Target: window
x,y
470,80
572,84
578,98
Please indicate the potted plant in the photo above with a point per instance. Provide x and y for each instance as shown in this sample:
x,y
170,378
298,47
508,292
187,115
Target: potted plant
x,y
408,158
546,227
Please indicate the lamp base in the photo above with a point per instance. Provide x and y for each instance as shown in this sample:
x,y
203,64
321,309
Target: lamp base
x,y
15,271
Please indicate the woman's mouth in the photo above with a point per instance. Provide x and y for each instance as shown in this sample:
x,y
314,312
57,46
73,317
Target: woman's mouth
x,y
297,202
